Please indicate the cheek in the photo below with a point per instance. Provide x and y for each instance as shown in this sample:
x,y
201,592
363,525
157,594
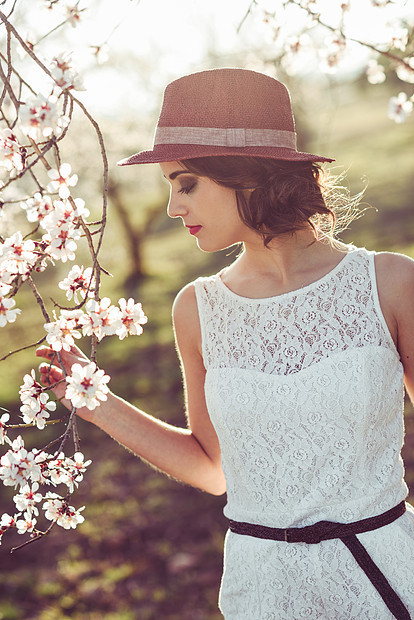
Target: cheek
x,y
226,202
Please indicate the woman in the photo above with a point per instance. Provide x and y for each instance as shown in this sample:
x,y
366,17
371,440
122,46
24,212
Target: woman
x,y
293,360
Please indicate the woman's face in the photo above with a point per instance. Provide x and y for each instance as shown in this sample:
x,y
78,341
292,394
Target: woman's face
x,y
208,210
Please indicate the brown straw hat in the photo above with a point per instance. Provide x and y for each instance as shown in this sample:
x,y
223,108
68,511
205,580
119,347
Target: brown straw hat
x,y
224,112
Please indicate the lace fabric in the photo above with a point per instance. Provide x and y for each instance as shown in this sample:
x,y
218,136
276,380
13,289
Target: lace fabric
x,y
305,391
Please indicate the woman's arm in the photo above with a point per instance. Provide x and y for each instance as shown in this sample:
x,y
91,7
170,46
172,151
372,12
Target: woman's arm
x,y
191,455
395,276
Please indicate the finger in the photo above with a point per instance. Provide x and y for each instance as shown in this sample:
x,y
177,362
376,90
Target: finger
x,y
50,374
64,358
45,352
54,357
51,377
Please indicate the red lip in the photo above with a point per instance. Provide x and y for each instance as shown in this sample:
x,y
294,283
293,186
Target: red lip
x,y
194,229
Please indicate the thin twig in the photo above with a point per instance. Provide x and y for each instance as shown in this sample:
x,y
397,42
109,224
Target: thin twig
x,y
30,425
6,80
246,15
37,536
26,47
8,88
67,431
13,7
75,435
317,18
50,32
114,29
39,299
41,156
104,163
28,346
96,266
39,187
49,144
52,443
21,80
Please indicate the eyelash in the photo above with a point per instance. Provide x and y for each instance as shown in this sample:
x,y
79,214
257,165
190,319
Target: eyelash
x,y
187,190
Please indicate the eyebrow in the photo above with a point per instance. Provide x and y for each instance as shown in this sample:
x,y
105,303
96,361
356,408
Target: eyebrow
x,y
175,174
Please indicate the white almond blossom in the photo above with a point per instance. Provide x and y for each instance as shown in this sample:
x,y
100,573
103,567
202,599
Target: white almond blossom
x,y
398,37
79,281
27,524
132,318
8,313
296,52
53,506
4,289
62,180
399,108
64,73
79,465
75,468
61,242
11,154
6,522
87,386
37,411
30,388
42,459
375,72
57,509
6,275
333,53
73,13
80,209
38,207
18,466
406,74
3,432
20,254
64,214
62,332
40,118
101,318
56,470
68,471
27,498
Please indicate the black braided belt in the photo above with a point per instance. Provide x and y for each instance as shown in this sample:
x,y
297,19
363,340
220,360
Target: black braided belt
x,y
326,530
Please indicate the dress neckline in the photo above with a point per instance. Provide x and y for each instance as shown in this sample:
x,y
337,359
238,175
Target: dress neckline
x,y
296,291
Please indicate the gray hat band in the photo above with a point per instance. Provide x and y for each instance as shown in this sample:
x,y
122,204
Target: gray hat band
x,y
232,137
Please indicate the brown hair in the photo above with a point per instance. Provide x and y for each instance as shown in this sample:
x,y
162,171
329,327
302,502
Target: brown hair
x,y
286,195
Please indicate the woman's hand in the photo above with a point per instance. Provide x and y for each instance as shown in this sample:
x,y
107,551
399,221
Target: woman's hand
x,y
51,373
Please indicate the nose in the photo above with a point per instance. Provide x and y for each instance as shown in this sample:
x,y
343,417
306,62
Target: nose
x,y
175,206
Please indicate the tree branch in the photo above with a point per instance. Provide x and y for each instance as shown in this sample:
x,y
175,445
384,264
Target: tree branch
x,y
29,346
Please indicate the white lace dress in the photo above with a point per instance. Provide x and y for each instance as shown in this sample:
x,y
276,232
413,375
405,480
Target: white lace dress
x,y
305,391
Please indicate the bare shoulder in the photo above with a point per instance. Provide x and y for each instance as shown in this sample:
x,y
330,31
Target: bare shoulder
x,y
185,317
395,281
392,263
395,275
185,303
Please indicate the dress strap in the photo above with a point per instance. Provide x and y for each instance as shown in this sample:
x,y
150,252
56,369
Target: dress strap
x,y
327,530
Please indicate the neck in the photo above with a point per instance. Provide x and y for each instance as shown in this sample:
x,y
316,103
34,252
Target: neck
x,y
289,262
285,254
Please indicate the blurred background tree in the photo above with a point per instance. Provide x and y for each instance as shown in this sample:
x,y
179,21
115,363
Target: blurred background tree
x,y
151,548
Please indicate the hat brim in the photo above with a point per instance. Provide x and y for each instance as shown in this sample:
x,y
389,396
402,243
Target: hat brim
x,y
178,152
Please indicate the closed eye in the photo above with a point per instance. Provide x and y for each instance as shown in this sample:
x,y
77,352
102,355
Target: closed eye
x,y
187,189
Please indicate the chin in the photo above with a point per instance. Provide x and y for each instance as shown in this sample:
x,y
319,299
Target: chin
x,y
209,248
